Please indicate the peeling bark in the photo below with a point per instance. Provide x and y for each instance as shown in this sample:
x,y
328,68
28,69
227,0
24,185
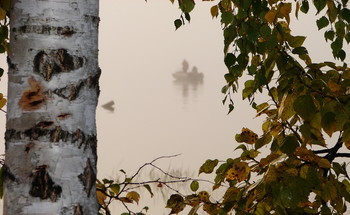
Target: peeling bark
x,y
78,210
88,177
33,98
56,61
43,186
54,135
66,31
71,92
53,89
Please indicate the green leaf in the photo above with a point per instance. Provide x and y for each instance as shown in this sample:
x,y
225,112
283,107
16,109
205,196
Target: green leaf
x,y
115,188
3,33
188,17
320,5
337,45
177,23
149,189
264,140
346,135
107,181
341,55
289,144
194,186
186,5
347,37
305,107
305,6
230,108
345,14
340,28
208,166
226,17
329,35
300,50
6,4
296,41
338,169
265,31
242,146
328,123
322,22
230,59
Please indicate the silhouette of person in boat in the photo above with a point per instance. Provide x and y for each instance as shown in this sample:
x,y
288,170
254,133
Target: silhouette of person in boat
x,y
184,75
186,79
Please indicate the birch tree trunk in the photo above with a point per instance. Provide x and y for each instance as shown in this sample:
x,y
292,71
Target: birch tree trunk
x,y
52,97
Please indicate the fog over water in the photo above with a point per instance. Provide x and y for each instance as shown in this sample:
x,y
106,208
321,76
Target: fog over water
x,y
154,115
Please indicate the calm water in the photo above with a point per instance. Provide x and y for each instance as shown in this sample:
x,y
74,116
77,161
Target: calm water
x,y
154,115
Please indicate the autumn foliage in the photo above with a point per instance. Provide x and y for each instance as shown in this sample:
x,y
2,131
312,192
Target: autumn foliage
x,y
306,127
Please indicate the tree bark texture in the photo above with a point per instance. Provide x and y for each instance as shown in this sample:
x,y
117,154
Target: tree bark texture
x,y
50,165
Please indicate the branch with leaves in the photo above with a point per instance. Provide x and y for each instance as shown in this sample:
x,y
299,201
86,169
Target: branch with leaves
x,y
293,166
127,190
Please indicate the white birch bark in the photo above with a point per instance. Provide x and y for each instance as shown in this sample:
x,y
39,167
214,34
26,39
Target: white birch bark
x,y
52,97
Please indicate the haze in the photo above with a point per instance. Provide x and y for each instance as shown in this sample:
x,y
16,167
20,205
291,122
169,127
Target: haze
x,y
139,51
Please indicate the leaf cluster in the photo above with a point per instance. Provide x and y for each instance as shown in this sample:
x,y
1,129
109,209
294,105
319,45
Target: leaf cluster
x,y
308,103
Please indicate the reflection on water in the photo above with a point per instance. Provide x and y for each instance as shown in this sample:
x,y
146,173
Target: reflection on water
x,y
187,81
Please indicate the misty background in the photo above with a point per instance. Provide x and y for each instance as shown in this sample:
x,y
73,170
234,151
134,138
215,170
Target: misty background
x,y
153,117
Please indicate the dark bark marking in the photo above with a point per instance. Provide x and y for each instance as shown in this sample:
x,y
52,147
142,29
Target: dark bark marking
x,y
7,174
56,61
10,64
79,138
43,186
44,124
78,210
93,19
58,134
64,116
34,97
66,31
29,146
88,177
71,92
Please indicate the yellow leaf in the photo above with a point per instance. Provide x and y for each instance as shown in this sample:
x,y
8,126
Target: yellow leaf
x,y
334,87
347,144
214,11
271,175
247,136
297,8
2,102
192,200
306,155
125,200
2,13
101,197
270,16
324,163
240,171
133,196
285,10
285,110
211,209
203,196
